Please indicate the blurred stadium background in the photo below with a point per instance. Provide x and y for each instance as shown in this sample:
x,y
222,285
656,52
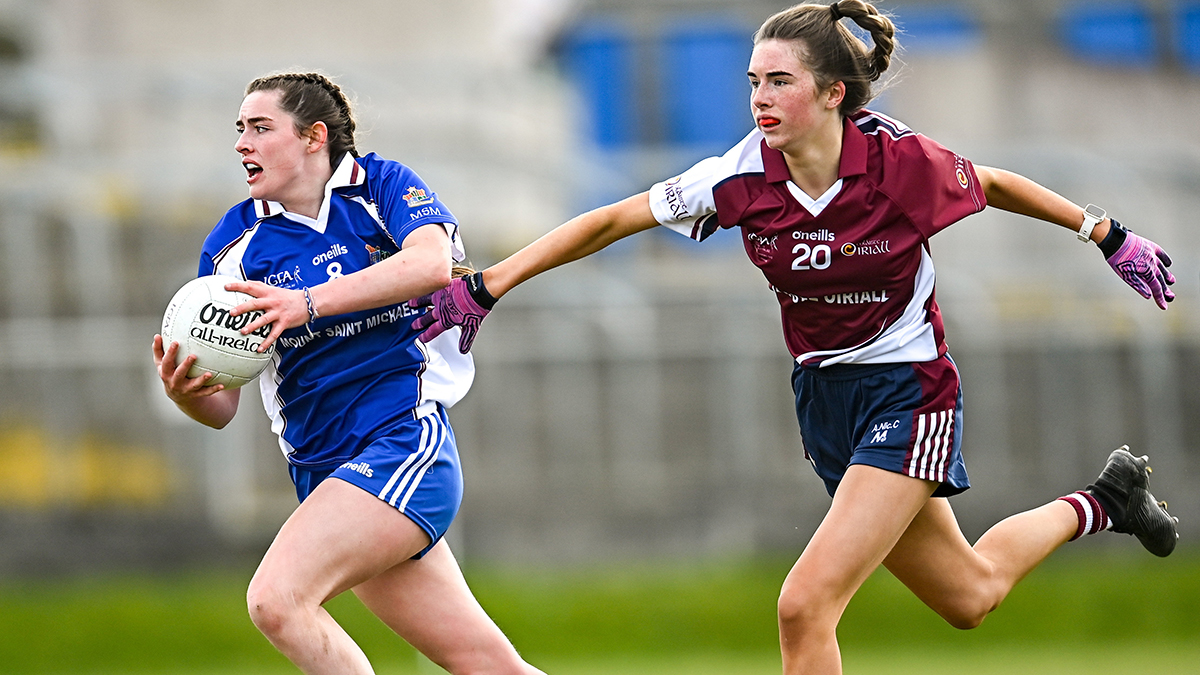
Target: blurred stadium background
x,y
629,408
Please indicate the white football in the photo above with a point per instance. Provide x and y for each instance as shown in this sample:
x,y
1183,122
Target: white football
x,y
198,319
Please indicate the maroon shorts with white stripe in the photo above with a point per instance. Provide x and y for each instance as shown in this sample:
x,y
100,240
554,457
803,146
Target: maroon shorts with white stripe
x,y
901,417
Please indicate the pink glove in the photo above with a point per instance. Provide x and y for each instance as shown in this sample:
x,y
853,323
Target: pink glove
x,y
464,303
1143,265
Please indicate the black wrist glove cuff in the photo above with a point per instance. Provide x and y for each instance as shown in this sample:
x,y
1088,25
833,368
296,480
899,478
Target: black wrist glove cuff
x,y
479,292
1113,240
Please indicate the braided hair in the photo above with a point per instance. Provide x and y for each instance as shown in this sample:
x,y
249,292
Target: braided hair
x,y
831,51
310,98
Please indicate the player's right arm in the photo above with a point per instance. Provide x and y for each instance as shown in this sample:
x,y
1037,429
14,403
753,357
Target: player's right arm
x,y
577,238
210,405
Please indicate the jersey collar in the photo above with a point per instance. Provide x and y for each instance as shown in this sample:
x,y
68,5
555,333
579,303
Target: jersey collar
x,y
854,150
348,174
852,163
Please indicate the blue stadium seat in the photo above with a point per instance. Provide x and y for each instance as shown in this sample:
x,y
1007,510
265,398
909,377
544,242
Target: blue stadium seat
x,y
705,97
1186,28
938,28
1119,33
599,59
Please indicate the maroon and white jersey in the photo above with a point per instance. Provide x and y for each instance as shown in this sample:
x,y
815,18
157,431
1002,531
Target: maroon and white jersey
x,y
851,269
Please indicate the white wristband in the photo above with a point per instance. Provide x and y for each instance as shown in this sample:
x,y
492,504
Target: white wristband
x,y
1091,215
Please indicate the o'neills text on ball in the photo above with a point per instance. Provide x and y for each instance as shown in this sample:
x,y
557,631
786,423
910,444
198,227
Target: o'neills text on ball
x,y
211,315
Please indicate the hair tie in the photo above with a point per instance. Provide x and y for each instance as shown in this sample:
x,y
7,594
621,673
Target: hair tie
x,y
833,9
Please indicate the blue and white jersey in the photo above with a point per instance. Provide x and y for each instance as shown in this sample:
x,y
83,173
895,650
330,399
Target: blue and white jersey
x,y
327,393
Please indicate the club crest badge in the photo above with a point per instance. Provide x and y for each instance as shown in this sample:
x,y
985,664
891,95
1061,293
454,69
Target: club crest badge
x,y
376,255
416,196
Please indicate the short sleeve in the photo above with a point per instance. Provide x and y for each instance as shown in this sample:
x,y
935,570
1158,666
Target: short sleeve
x,y
406,202
933,185
227,239
686,204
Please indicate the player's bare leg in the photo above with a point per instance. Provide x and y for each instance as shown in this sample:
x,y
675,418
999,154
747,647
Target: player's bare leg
x,y
964,583
427,602
870,511
322,551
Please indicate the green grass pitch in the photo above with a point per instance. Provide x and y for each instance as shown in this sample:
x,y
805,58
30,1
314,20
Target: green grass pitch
x,y
1127,613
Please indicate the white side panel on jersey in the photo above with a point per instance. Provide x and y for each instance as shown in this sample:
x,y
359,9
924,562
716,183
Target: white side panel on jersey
x,y
230,262
456,246
681,201
448,373
909,339
268,387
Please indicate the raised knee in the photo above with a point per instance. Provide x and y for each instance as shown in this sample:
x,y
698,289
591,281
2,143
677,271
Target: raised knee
x,y
967,612
965,621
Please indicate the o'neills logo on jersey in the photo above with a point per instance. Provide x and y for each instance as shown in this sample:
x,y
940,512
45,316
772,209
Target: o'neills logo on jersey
x,y
869,247
820,235
674,194
333,252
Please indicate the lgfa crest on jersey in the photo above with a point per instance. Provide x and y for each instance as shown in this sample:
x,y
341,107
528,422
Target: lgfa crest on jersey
x,y
416,196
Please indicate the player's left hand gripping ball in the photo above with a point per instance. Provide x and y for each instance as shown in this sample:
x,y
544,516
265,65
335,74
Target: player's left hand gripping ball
x,y
1143,265
464,303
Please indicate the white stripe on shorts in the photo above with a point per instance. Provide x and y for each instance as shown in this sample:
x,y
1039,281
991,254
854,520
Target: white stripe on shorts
x,y
417,463
405,469
437,437
932,446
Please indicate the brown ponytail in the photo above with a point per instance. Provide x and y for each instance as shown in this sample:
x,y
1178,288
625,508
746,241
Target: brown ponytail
x,y
831,51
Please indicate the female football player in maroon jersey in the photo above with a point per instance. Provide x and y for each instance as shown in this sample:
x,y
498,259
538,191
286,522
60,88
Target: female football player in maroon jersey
x,y
836,205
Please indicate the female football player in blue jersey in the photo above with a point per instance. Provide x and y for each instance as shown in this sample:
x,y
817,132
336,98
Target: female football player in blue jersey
x,y
331,245
836,205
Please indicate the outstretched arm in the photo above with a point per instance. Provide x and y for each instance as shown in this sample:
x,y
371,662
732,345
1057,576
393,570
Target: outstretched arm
x,y
1140,262
1013,192
577,238
466,301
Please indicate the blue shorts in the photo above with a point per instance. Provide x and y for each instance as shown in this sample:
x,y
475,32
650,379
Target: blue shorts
x,y
412,465
900,417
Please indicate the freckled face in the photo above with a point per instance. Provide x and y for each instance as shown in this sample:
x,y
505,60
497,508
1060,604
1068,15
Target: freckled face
x,y
787,105
273,154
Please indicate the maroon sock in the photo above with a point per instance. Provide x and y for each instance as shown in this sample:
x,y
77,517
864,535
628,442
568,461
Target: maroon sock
x,y
1092,517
